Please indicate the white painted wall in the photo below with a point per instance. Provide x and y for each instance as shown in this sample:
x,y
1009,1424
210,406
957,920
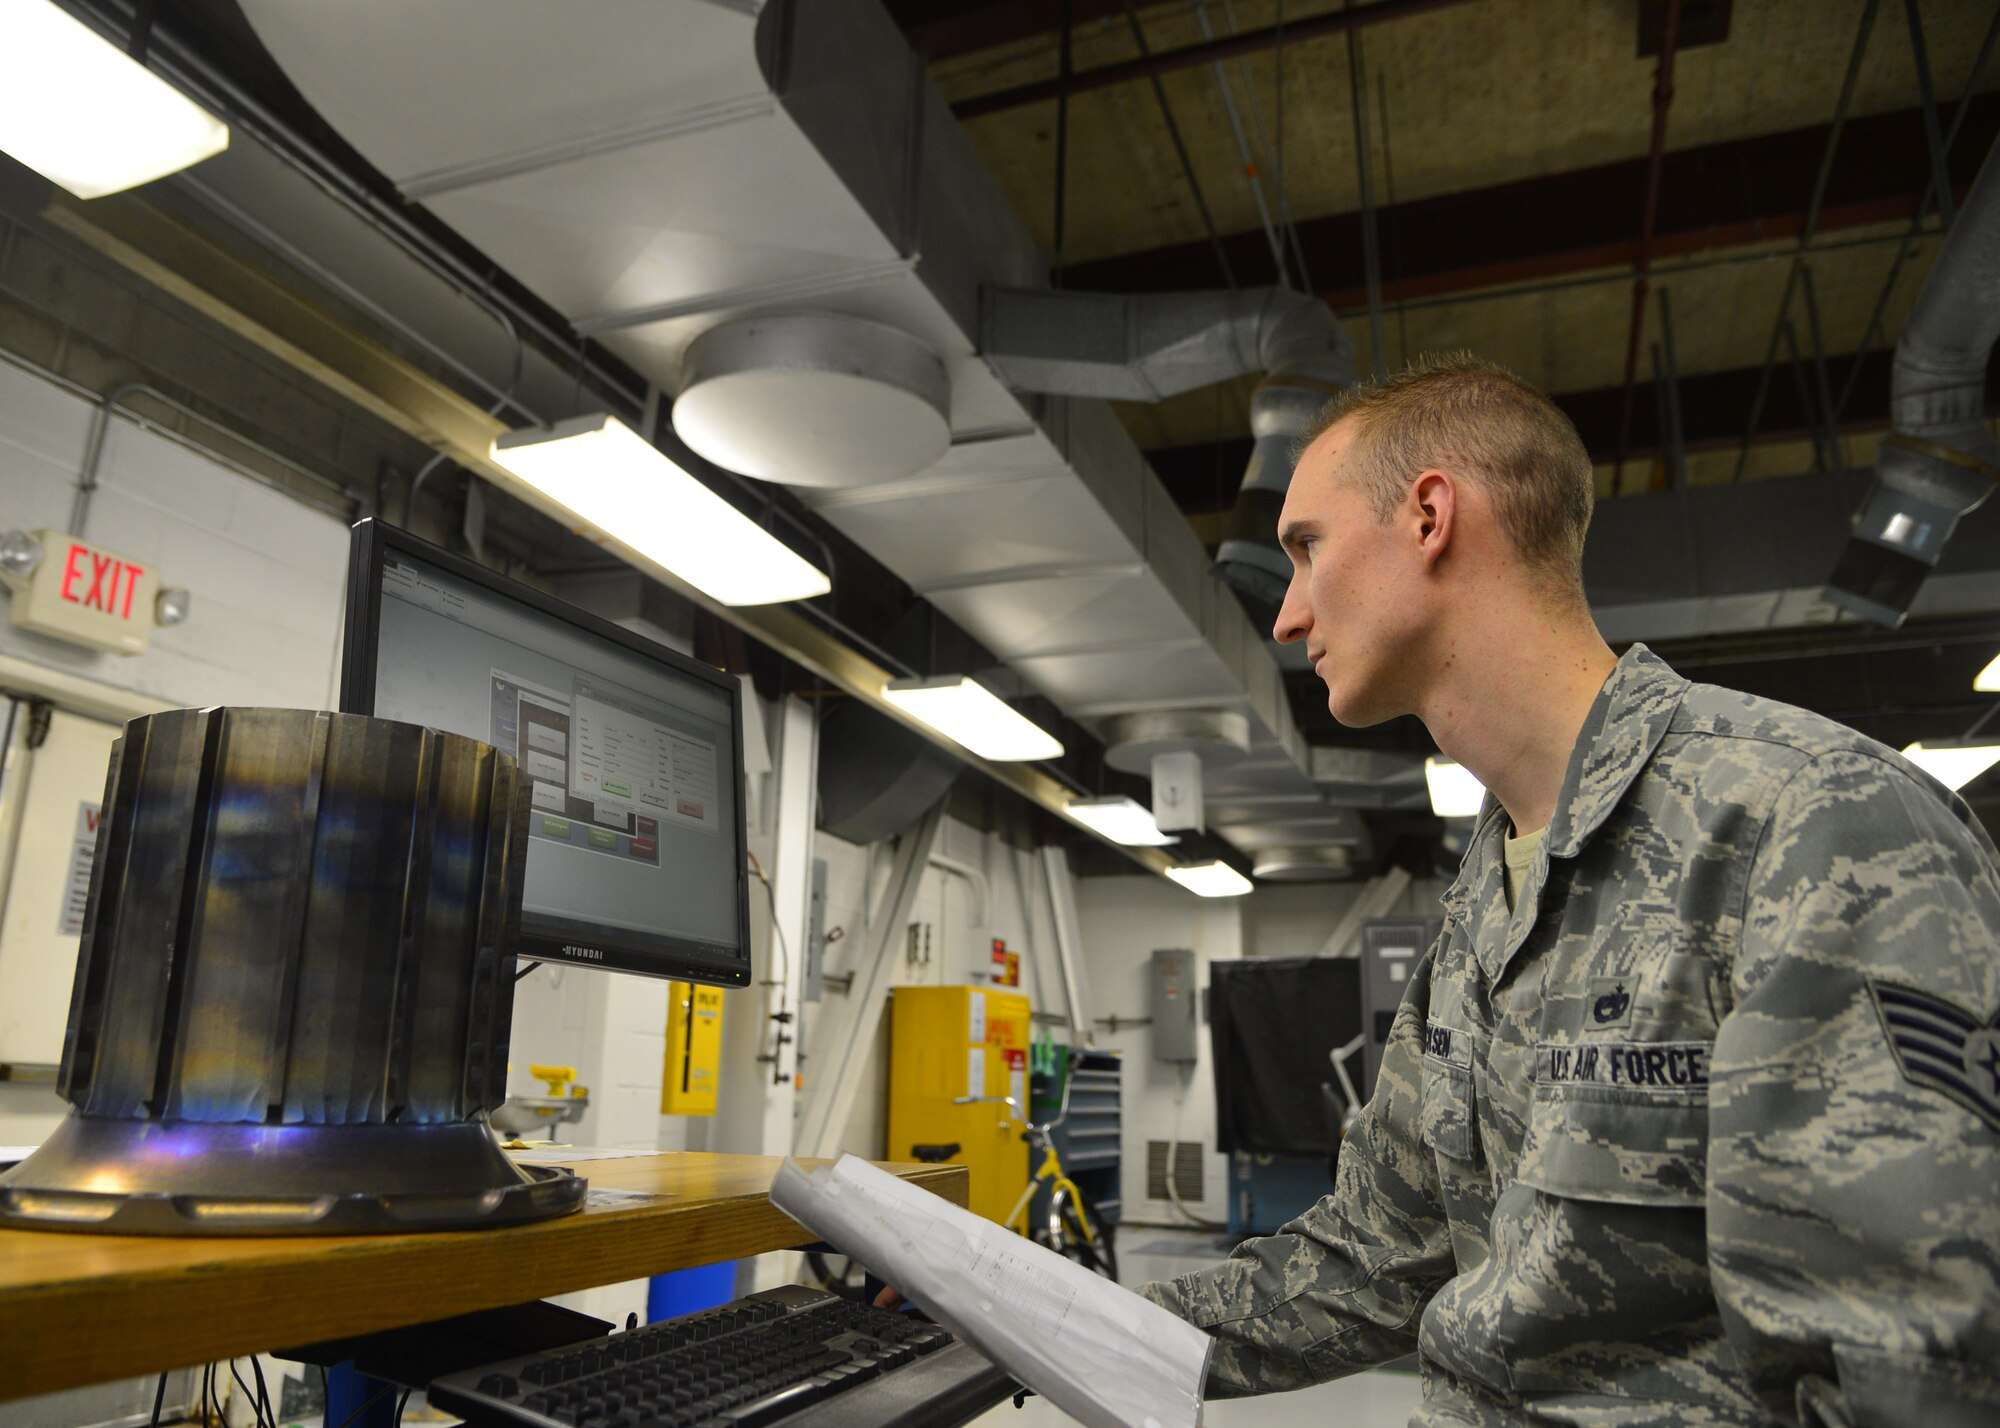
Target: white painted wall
x,y
1124,919
1294,920
1006,899
267,575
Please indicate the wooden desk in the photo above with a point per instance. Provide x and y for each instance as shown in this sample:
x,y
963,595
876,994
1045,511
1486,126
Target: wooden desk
x,y
77,1309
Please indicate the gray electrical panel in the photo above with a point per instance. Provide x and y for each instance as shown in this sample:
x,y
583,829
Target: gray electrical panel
x,y
1391,947
1173,1005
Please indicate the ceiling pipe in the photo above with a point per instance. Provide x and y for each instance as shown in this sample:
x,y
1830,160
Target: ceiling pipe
x,y
1209,52
1940,461
1663,98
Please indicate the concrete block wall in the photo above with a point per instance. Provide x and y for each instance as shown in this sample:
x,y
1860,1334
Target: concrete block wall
x,y
266,573
267,576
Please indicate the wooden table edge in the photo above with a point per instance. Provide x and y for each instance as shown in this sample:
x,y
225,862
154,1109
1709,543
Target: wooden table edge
x,y
144,1309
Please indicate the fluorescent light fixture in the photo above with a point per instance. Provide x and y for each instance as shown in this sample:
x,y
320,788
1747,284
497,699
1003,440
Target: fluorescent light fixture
x,y
608,476
972,715
1953,764
1211,880
81,113
1122,820
1987,681
1455,793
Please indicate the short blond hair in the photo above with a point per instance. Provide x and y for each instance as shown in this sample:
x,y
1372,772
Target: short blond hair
x,y
1458,412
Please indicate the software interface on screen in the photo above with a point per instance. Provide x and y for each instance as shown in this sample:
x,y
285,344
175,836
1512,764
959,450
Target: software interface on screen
x,y
633,835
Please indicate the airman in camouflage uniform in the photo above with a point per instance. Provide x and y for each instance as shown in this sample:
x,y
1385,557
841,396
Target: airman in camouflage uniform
x,y
1702,1132
1703,1127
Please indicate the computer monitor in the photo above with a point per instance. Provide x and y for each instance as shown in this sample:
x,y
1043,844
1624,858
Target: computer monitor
x,y
633,754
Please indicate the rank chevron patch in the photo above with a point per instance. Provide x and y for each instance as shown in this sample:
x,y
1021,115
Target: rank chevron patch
x,y
1941,1046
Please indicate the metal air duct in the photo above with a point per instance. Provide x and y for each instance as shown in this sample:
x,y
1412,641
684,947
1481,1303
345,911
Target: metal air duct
x,y
1144,347
1940,462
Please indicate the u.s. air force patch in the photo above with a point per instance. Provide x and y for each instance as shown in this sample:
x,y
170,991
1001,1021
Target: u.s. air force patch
x,y
1651,1065
1940,1045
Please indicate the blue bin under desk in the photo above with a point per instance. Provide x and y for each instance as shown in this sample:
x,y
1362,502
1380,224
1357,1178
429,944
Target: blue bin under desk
x,y
668,1296
1266,1191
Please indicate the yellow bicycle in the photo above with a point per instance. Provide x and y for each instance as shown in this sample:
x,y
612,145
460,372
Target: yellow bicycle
x,y
1073,1227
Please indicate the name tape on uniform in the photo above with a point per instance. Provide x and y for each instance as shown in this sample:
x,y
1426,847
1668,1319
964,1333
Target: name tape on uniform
x,y
1447,1044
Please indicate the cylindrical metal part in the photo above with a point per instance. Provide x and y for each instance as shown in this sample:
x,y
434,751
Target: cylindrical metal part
x,y
295,984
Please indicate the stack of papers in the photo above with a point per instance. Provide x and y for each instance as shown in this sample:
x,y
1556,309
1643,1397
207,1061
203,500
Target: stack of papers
x,y
1100,1353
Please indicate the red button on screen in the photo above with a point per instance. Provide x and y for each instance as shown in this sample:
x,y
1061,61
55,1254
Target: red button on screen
x,y
647,848
649,827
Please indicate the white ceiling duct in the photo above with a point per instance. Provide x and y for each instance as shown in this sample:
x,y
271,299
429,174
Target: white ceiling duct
x,y
657,171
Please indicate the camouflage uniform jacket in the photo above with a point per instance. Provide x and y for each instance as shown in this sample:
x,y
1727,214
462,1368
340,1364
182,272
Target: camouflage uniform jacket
x,y
1705,1131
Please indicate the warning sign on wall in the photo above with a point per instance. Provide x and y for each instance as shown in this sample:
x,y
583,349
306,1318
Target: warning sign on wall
x,y
76,887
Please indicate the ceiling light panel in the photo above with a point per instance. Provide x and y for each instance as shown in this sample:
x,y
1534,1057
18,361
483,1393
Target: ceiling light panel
x,y
1455,793
84,115
1211,880
1987,681
608,476
968,713
1122,820
1951,764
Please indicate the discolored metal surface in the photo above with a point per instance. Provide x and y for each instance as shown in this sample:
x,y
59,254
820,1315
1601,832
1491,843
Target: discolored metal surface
x,y
295,985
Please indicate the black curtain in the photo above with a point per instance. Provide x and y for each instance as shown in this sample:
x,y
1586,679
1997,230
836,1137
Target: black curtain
x,y
1272,1023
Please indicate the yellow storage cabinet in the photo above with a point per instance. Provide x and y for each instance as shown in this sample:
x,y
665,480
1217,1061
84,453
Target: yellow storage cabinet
x,y
946,1042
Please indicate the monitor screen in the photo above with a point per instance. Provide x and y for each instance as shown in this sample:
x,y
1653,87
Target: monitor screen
x,y
632,753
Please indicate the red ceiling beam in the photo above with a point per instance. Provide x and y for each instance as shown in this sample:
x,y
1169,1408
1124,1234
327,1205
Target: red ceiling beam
x,y
1223,47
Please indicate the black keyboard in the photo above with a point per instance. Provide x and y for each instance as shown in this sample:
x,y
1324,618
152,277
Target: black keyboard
x,y
793,1356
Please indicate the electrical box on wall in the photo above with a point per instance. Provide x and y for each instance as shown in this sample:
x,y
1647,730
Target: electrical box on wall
x,y
70,590
1390,950
694,1050
1174,1005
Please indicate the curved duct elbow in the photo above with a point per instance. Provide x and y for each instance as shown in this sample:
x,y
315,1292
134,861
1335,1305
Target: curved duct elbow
x,y
1940,461
1310,362
1145,347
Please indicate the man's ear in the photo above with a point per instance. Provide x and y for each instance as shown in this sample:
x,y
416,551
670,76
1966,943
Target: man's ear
x,y
1434,503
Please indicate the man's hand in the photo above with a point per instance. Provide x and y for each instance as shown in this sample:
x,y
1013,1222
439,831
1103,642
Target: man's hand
x,y
889,1299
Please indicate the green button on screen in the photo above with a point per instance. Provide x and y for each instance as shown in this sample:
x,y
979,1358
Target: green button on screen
x,y
555,827
603,838
622,790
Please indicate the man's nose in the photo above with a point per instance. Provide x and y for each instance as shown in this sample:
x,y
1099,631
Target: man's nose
x,y
1294,615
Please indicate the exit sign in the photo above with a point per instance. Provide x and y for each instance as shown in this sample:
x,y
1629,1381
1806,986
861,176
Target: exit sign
x,y
86,595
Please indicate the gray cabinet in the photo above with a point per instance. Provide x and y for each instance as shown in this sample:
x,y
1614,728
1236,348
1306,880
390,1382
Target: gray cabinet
x,y
1088,1141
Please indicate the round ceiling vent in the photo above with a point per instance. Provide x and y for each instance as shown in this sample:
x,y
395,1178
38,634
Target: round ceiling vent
x,y
1219,736
1303,865
813,399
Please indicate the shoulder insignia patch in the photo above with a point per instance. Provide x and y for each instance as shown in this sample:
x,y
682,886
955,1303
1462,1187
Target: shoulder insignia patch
x,y
1943,1047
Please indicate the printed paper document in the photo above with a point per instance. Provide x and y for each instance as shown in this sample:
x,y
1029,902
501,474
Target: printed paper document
x,y
1100,1353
